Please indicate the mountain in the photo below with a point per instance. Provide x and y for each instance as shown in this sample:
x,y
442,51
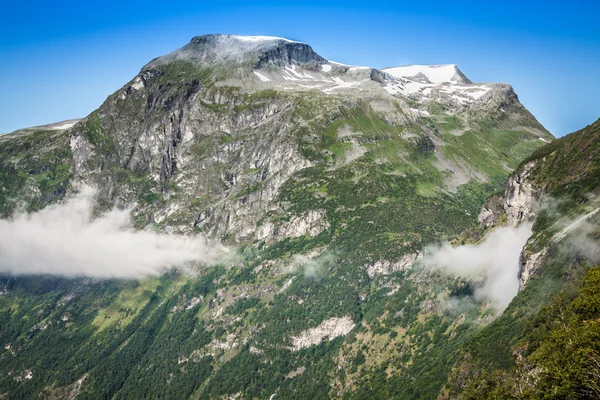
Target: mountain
x,y
329,181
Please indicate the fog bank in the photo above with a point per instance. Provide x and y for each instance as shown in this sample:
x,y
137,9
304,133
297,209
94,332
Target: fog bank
x,y
494,263
64,239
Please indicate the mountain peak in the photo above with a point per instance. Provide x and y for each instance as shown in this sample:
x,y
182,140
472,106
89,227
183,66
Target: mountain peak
x,y
242,38
433,74
236,49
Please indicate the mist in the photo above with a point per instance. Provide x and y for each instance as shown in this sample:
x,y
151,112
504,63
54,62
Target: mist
x,y
65,239
581,235
312,267
494,263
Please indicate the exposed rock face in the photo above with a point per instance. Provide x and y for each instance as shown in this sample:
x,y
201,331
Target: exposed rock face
x,y
521,197
383,267
492,211
220,49
288,52
330,329
530,264
311,222
518,204
228,168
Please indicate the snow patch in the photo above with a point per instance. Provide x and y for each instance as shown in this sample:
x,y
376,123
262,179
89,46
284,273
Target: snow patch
x,y
66,125
429,80
261,76
262,38
357,68
447,73
292,69
326,67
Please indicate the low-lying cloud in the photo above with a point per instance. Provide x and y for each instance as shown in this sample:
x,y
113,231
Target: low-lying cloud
x,y
64,239
313,267
494,263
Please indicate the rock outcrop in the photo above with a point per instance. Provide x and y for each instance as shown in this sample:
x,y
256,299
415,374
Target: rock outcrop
x,y
519,203
330,329
384,267
529,265
521,197
311,222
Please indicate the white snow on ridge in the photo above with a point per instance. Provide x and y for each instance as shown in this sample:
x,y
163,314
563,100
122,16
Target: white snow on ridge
x,y
355,68
340,84
66,125
262,38
427,80
351,67
338,63
261,76
478,92
292,69
447,73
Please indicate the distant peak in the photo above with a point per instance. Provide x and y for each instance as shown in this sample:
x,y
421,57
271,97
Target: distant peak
x,y
435,74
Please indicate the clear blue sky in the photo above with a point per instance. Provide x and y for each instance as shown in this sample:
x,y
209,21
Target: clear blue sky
x,y
61,59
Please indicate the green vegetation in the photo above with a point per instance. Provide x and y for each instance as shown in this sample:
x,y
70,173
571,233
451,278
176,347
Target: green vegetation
x,y
570,166
182,73
560,352
34,170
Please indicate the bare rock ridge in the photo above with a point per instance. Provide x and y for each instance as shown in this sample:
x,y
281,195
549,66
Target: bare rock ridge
x,y
518,204
221,48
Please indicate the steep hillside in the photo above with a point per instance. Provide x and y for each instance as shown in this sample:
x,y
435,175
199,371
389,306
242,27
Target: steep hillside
x,y
328,180
555,311
35,167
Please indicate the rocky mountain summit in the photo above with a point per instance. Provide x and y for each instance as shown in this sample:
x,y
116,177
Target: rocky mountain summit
x,y
329,182
229,119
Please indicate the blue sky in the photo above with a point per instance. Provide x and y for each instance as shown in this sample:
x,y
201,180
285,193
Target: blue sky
x,y
61,60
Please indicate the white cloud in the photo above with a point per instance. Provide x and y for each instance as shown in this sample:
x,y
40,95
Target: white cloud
x,y
64,239
494,261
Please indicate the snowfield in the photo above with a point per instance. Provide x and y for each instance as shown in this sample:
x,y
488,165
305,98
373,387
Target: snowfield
x,y
440,79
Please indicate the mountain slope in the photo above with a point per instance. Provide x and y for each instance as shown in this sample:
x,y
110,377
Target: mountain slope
x,y
329,180
557,186
35,167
